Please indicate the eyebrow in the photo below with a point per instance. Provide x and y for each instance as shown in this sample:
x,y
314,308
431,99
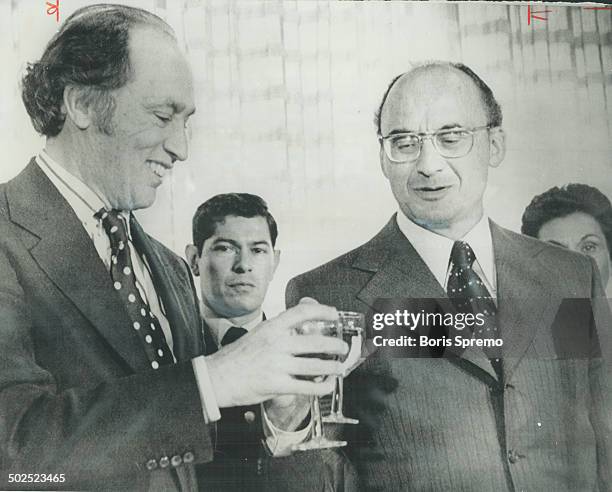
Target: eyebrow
x,y
176,107
448,126
237,244
596,236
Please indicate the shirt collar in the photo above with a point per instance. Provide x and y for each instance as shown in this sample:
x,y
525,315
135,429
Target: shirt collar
x,y
218,326
81,198
435,249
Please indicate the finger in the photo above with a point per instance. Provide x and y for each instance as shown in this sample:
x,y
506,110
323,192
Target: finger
x,y
315,344
307,366
308,300
305,312
322,388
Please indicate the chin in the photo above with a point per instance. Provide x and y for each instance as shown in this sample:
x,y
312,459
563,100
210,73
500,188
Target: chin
x,y
142,201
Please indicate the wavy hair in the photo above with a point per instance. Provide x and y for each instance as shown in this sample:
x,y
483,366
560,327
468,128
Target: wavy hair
x,y
90,51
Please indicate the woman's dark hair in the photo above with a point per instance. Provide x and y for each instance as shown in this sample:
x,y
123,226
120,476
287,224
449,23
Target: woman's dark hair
x,y
90,51
562,201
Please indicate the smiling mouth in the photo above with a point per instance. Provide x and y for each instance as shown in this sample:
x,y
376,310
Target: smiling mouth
x,y
431,188
431,192
157,168
239,285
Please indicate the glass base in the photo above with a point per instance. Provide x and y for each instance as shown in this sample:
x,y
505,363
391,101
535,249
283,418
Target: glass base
x,y
336,418
318,443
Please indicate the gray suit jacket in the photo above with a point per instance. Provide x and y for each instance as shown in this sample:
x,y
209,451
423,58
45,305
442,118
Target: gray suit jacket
x,y
77,394
443,421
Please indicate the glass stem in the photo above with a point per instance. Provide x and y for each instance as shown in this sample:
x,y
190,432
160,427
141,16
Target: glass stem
x,y
336,397
340,384
317,421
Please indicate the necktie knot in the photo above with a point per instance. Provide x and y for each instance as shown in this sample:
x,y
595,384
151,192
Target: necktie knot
x,y
462,255
233,334
114,226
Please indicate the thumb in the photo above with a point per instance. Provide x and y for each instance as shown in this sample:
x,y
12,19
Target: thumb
x,y
308,300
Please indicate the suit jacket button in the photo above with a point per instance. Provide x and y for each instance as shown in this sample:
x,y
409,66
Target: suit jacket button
x,y
259,466
151,465
249,417
188,457
164,462
514,456
176,460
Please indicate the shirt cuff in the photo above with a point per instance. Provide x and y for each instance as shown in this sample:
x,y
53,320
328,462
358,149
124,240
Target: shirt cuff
x,y
280,442
210,409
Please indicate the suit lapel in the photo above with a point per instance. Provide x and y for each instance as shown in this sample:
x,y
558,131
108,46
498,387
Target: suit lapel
x,y
398,269
67,255
175,289
525,304
400,272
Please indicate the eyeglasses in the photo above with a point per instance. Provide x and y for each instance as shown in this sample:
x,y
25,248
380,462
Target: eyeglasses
x,y
449,143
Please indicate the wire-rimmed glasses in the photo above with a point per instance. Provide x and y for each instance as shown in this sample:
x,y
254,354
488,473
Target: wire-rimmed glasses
x,y
450,143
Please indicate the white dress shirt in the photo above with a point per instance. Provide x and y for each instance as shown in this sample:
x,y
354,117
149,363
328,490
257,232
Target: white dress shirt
x,y
435,250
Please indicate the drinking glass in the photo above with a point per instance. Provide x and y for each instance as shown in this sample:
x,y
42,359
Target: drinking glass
x,y
318,439
351,329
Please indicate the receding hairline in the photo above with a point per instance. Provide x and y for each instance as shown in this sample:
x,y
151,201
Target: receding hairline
x,y
489,103
427,70
137,16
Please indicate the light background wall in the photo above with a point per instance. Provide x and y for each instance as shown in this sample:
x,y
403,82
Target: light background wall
x,y
286,92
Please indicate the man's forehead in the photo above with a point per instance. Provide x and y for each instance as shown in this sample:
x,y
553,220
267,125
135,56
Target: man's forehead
x,y
437,92
242,228
160,71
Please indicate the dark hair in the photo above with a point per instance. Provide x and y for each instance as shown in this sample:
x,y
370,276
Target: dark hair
x,y
214,211
493,109
90,51
560,202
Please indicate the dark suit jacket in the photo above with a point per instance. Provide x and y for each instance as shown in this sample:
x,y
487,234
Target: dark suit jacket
x,y
77,395
447,423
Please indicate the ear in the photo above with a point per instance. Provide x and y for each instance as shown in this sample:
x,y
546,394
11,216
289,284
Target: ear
x,y
497,146
77,108
277,254
191,254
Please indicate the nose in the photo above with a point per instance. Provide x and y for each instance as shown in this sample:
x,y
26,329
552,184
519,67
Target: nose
x,y
177,142
430,161
242,262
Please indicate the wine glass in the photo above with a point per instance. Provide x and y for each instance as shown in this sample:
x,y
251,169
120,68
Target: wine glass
x,y
318,439
351,330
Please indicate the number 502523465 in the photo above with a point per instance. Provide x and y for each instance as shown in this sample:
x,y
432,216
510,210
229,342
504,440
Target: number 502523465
x,y
36,477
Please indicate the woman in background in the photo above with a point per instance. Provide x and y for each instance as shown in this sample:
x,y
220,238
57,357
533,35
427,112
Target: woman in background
x,y
575,216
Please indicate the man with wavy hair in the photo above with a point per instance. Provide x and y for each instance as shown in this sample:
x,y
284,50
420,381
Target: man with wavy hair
x,y
102,379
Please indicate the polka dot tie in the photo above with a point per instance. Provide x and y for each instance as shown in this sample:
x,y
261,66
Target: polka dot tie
x,y
469,294
144,322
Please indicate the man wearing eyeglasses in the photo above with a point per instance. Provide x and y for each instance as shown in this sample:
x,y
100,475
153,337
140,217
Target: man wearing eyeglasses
x,y
532,414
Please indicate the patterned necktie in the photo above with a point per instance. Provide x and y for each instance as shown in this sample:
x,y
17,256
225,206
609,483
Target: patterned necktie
x,y
233,334
469,294
144,321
